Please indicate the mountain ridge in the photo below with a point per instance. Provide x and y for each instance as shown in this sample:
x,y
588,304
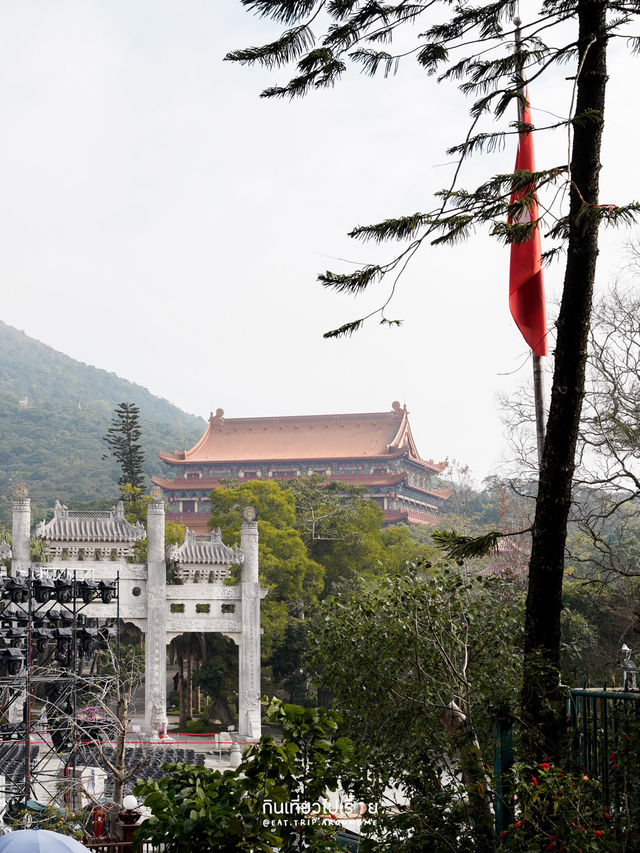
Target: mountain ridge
x,y
54,412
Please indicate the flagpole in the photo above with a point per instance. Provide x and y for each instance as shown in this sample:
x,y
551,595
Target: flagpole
x,y
538,372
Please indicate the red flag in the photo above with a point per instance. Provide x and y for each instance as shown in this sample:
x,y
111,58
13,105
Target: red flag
x,y
526,284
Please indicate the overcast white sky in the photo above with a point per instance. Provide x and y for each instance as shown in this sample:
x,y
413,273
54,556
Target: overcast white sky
x,y
160,221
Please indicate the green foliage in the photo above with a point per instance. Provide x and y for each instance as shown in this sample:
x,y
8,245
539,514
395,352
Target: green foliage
x,y
195,809
313,535
54,818
123,438
395,654
343,532
294,580
558,811
135,503
464,547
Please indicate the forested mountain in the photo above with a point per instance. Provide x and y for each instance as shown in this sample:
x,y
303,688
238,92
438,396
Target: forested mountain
x,y
54,440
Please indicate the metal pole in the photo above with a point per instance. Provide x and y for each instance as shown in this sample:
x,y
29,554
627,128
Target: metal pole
x,y
538,374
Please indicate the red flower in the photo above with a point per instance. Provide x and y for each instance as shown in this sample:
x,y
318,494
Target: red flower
x,y
545,765
612,757
503,834
606,815
534,781
598,833
518,824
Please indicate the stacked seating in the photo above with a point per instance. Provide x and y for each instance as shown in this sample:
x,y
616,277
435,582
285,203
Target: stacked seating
x,y
156,757
12,757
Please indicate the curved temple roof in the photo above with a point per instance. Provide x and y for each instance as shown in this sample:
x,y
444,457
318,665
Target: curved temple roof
x,y
74,526
307,437
204,550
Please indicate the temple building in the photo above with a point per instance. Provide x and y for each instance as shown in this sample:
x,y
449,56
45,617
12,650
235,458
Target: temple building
x,y
375,450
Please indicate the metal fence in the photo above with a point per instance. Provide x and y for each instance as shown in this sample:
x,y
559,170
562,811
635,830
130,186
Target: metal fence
x,y
603,725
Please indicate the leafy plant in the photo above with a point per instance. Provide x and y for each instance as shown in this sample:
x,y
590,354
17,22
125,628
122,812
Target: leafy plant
x,y
195,809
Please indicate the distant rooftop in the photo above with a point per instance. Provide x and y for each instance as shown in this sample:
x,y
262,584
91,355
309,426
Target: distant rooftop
x,y
304,437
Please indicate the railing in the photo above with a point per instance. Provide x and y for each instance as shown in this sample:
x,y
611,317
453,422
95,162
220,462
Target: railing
x,y
601,723
604,727
123,847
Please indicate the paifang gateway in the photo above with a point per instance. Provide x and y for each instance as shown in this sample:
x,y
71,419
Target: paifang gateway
x,y
375,450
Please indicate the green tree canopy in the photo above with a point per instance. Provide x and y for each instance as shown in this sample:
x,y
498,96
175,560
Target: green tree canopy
x,y
418,665
123,438
293,579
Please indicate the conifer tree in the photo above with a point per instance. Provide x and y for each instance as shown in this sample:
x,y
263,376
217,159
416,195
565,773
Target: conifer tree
x,y
473,43
123,437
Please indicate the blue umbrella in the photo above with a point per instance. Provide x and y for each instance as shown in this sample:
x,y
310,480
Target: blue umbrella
x,y
39,841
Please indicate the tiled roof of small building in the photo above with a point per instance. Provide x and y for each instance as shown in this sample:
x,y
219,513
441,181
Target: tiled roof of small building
x,y
370,435
205,550
75,526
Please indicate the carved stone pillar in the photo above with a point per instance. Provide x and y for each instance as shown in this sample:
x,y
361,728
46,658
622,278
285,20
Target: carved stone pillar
x,y
249,723
155,685
21,528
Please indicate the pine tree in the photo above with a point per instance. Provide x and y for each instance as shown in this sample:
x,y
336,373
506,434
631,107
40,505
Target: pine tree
x,y
123,439
474,44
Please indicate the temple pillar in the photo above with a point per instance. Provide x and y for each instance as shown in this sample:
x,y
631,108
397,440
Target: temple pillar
x,y
249,718
155,681
21,530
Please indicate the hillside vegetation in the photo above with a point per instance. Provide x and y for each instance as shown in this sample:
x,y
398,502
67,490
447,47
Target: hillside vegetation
x,y
54,443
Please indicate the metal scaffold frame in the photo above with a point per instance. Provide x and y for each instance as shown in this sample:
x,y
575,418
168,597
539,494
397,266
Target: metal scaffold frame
x,y
46,642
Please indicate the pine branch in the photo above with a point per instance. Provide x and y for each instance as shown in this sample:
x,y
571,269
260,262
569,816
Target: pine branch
x,y
316,78
282,11
354,282
372,59
517,233
284,50
344,331
459,547
403,228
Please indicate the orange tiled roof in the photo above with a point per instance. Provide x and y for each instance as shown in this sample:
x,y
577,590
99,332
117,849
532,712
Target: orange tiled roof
x,y
370,436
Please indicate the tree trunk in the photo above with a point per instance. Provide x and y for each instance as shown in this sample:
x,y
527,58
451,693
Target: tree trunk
x,y
222,711
181,690
541,673
190,686
196,709
119,751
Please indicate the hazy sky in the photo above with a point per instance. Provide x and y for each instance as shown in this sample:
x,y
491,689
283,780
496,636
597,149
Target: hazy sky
x,y
160,221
